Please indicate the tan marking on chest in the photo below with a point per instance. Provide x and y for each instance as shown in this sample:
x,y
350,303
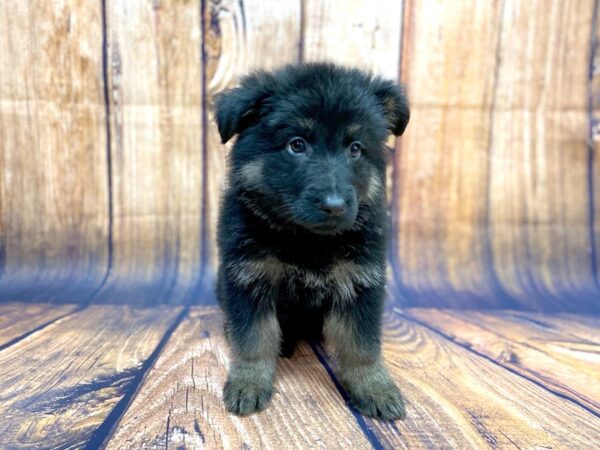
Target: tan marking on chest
x,y
340,280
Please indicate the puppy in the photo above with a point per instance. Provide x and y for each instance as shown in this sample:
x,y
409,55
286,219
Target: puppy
x,y
302,231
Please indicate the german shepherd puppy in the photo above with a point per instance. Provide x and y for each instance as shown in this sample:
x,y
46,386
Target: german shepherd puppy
x,y
303,227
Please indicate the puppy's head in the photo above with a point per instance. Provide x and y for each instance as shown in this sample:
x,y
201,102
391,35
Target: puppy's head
x,y
311,143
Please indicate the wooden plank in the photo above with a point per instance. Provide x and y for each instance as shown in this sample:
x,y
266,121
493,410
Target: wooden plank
x,y
53,170
355,34
58,385
457,399
554,358
17,319
540,198
594,126
240,36
155,81
578,326
180,403
448,64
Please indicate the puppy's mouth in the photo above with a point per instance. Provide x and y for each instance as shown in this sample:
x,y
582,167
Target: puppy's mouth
x,y
330,226
324,228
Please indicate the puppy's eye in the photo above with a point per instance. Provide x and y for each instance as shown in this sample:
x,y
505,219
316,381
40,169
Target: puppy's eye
x,y
355,150
296,146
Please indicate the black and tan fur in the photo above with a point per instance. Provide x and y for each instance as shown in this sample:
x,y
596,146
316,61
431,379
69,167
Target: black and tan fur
x,y
303,227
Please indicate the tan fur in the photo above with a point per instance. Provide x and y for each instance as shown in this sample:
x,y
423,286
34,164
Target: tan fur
x,y
340,280
389,103
266,339
342,335
353,128
249,384
375,187
251,174
361,370
306,123
247,272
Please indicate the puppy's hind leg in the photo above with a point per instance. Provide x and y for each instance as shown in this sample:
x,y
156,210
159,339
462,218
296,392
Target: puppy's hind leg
x,y
354,332
254,341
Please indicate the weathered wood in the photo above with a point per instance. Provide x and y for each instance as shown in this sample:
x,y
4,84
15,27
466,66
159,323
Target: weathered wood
x,y
155,84
594,127
17,319
356,34
448,64
497,198
539,190
457,399
180,402
581,327
53,171
536,349
493,173
58,385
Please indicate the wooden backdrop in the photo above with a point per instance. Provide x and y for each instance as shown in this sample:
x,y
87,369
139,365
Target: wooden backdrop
x,y
111,167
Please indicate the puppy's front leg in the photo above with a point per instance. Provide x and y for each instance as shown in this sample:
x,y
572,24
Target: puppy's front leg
x,y
254,341
354,332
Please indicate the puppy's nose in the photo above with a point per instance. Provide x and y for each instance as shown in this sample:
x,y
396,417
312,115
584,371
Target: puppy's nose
x,y
334,205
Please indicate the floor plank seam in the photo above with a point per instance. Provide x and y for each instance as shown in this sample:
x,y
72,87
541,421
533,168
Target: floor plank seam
x,y
360,420
40,328
496,363
104,432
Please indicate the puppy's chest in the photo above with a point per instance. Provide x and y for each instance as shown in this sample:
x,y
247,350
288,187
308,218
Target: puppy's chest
x,y
337,280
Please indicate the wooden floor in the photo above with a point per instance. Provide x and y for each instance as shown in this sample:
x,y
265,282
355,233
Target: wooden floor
x,y
131,377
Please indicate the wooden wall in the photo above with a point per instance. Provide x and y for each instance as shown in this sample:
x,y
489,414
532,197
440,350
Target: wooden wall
x,y
111,167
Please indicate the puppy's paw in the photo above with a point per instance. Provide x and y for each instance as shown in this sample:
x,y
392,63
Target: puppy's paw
x,y
374,394
243,397
384,402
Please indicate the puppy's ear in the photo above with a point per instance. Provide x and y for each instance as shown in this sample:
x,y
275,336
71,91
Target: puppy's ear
x,y
238,108
394,102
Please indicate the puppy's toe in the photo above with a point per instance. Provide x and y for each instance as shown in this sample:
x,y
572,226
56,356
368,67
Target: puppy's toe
x,y
243,398
386,407
378,398
391,409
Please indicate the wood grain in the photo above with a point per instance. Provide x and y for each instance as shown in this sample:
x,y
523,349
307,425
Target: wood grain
x,y
551,356
594,128
448,64
17,319
155,82
539,190
53,171
578,326
457,399
59,384
240,36
355,34
496,194
180,402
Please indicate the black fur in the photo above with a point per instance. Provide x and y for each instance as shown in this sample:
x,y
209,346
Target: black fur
x,y
303,234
